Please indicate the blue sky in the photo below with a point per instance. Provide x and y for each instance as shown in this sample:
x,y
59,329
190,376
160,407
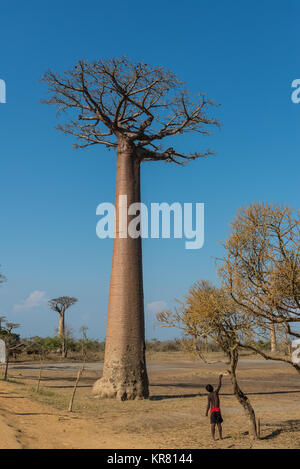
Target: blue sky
x,y
242,54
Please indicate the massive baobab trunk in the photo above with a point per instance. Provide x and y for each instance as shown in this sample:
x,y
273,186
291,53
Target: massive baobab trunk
x,y
124,374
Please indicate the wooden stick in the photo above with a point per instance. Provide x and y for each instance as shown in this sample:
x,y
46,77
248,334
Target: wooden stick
x,y
75,388
40,375
258,428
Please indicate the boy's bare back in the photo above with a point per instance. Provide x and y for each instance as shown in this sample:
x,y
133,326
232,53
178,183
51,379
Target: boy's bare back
x,y
214,400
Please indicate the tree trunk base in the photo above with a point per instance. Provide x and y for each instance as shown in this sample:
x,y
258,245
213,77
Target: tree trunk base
x,y
122,391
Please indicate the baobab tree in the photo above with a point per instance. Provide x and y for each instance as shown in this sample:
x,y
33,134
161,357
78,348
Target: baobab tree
x,y
129,107
60,305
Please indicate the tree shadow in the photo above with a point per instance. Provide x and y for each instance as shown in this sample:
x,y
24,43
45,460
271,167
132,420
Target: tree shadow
x,y
204,393
32,413
271,392
54,378
45,386
173,396
287,426
36,367
176,385
12,397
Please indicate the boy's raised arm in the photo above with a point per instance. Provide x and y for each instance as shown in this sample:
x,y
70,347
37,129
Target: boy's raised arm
x,y
220,383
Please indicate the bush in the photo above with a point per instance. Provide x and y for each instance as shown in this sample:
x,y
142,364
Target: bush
x,y
163,346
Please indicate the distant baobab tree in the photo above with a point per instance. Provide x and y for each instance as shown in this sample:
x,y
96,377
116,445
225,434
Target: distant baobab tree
x,y
60,305
130,107
10,326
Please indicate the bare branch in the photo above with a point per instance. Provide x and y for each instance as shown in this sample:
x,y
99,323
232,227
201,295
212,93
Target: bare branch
x,y
133,101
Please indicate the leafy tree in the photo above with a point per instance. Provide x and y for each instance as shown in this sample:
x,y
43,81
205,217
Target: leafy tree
x,y
12,341
261,270
208,311
48,343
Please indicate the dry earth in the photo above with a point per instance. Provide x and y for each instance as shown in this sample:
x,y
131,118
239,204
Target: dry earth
x,y
172,418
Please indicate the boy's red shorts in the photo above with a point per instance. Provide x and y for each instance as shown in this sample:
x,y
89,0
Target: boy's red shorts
x,y
215,416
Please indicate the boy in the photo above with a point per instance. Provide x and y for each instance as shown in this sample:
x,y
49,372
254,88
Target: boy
x,y
214,406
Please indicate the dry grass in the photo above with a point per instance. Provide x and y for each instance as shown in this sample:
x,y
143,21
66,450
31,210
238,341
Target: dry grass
x,y
173,417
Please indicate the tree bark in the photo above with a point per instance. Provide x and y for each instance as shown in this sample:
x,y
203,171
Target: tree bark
x,y
61,333
124,374
273,336
61,325
241,397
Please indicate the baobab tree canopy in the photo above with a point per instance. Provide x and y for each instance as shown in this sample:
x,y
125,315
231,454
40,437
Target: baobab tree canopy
x,y
118,98
61,304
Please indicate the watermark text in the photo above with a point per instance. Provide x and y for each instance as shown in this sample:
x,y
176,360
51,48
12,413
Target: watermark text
x,y
161,220
2,92
296,93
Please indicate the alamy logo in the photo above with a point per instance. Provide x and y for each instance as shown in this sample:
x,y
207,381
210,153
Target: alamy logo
x,y
188,221
296,93
2,92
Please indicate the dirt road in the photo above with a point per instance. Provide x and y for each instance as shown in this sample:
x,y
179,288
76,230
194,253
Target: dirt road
x,y
26,424
151,366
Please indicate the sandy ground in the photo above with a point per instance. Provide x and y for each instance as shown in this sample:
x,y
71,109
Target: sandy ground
x,y
25,423
174,416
